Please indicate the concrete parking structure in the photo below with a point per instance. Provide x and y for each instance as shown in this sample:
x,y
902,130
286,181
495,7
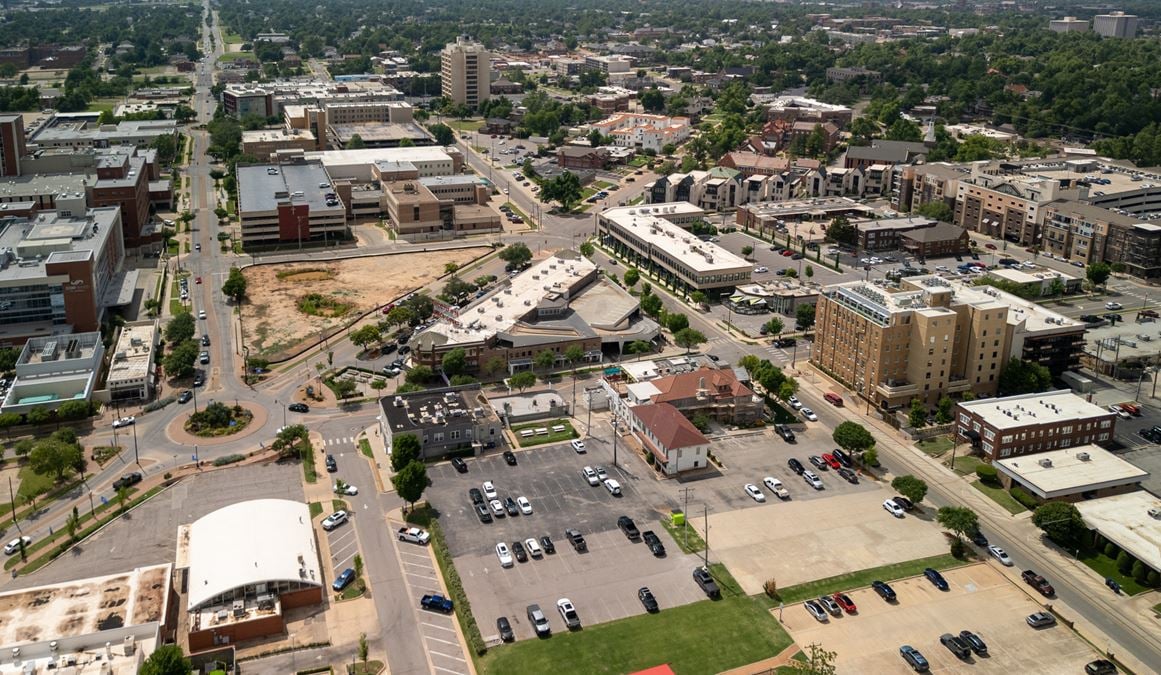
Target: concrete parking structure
x,y
980,599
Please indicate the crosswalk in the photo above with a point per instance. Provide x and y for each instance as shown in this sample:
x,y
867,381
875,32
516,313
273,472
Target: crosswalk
x,y
339,441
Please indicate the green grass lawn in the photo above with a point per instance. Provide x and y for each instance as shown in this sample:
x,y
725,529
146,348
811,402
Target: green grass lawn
x,y
32,483
602,185
693,541
934,447
365,448
861,578
550,437
639,161
690,638
1001,497
232,38
967,464
315,509
1107,567
464,125
235,56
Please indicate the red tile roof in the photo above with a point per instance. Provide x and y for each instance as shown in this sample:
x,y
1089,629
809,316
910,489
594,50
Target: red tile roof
x,y
671,429
718,383
663,669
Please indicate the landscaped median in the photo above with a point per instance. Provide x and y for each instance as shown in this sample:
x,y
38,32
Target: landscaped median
x,y
862,578
544,431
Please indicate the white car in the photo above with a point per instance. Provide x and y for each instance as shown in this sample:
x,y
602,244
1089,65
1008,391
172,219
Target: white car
x,y
346,489
1000,554
414,535
590,476
124,422
774,485
489,490
579,446
504,554
525,505
533,547
1113,305
755,493
761,270
14,545
613,487
497,508
812,480
334,520
809,414
601,474
1120,412
893,508
794,403
202,314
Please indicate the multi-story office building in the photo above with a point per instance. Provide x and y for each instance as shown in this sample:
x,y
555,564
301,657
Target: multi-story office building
x,y
289,204
1032,423
649,239
416,213
11,144
273,99
929,338
132,374
53,369
466,72
1069,24
78,131
1115,25
58,272
442,420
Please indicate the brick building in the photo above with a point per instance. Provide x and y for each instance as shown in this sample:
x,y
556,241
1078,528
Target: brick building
x,y
1032,423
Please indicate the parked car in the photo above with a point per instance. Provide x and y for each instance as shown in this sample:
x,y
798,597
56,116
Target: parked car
x,y
539,621
816,611
1040,619
524,505
568,613
935,578
504,554
414,535
830,605
818,462
1000,555
975,642
505,629
843,458
613,487
579,446
884,590
1038,582
590,475
848,475
497,508
519,552
794,402
891,507
774,485
510,507
510,457
785,432
346,489
979,539
476,496
437,602
809,414
812,480
489,489
460,465
577,540
831,461
903,502
795,466
298,408
533,548
755,493
547,545
1100,667
654,543
703,579
955,645
647,599
844,601
343,580
914,659
629,528
128,480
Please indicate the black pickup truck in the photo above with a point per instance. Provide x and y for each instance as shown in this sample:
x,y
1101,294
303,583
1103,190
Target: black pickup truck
x,y
629,528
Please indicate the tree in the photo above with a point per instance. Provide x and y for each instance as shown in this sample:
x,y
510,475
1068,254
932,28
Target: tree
x,y
818,661
788,388
959,519
1023,377
651,305
639,347
180,328
54,456
852,436
516,255
235,285
8,356
1098,273
180,361
774,326
364,649
122,498
544,359
840,231
587,249
410,482
632,276
937,210
399,316
38,415
9,420
450,268
1060,521
366,335
917,417
943,413
652,100
166,660
910,487
495,365
574,355
676,322
420,375
688,338
564,188
74,410
698,298
356,143
73,523
443,134
804,317
405,449
345,388
809,271
747,250
454,362
522,380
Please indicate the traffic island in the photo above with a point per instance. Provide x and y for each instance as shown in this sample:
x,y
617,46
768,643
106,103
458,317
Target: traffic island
x,y
181,431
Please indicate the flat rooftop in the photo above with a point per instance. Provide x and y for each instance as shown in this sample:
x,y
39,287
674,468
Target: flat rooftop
x,y
373,155
276,135
381,132
1125,521
818,206
1071,470
1013,412
697,255
423,410
261,188
133,355
1127,340
1038,276
908,223
51,237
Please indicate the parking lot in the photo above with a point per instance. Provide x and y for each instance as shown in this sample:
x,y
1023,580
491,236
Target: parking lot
x,y
602,583
343,545
980,599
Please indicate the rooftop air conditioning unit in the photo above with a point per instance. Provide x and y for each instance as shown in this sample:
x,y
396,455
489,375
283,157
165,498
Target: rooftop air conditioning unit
x,y
1083,456
1046,463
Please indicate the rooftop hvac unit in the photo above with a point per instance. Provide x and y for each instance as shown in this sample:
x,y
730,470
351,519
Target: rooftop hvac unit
x,y
398,402
1083,456
1046,463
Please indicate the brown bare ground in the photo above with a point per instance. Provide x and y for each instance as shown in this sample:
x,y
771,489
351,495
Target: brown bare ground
x,y
275,328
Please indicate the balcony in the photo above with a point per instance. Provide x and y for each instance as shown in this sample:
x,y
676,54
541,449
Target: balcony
x,y
958,384
893,389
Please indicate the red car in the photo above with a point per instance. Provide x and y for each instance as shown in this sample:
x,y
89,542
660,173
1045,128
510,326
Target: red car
x,y
198,280
787,252
831,461
990,246
846,603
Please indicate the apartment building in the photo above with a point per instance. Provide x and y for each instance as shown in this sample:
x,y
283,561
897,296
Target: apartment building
x,y
11,144
416,213
558,303
651,241
930,337
1083,233
1069,24
1115,25
466,72
271,99
645,132
289,204
1004,204
59,273
718,189
916,185
1032,423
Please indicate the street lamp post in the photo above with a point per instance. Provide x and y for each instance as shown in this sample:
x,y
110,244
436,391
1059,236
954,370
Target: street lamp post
x,y
136,457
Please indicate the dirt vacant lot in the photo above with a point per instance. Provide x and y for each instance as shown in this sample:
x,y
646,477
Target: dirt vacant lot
x,y
274,318
979,599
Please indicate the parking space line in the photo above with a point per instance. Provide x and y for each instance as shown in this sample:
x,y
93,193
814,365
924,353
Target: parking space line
x,y
446,670
447,656
450,630
446,642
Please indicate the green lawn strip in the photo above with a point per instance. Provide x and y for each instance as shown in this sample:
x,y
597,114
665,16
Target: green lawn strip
x,y
1107,567
687,538
967,464
369,668
354,589
365,448
465,125
315,509
602,185
339,505
1000,496
861,578
33,483
237,56
232,38
728,633
6,507
550,437
308,467
934,447
55,550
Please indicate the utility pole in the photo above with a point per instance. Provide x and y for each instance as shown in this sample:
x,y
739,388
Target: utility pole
x,y
12,503
705,553
685,512
614,437
136,458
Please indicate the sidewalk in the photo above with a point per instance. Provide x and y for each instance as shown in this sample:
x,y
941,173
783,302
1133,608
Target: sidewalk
x,y
380,460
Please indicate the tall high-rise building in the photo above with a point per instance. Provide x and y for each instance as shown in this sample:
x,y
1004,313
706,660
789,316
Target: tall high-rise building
x,y
466,71
1115,24
1069,24
11,144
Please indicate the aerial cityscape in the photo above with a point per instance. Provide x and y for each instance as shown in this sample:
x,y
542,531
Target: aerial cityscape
x,y
507,337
